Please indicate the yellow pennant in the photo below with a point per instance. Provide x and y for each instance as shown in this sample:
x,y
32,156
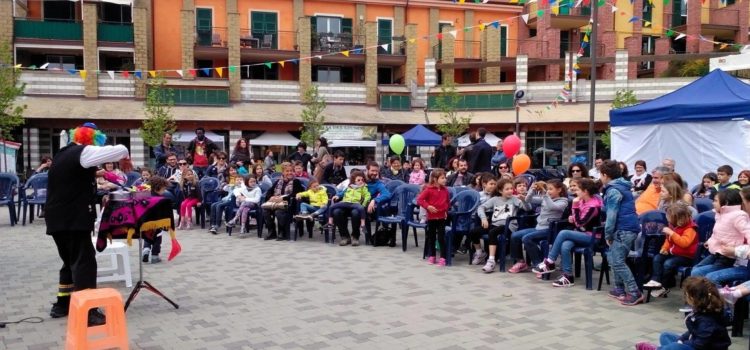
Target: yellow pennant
x,y
18,66
556,10
281,63
345,53
723,46
461,1
585,38
83,74
646,23
481,26
152,73
220,71
412,41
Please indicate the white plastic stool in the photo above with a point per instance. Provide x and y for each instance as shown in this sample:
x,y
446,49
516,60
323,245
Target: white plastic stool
x,y
119,269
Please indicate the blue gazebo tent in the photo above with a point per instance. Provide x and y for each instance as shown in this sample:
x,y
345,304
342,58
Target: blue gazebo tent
x,y
419,136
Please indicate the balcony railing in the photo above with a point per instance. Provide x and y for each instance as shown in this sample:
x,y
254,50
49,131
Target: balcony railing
x,y
47,29
728,16
277,40
330,42
211,37
467,49
116,32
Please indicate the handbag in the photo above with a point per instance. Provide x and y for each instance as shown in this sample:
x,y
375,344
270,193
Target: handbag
x,y
281,205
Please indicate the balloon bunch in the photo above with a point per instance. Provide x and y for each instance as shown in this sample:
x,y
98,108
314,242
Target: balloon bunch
x,y
521,162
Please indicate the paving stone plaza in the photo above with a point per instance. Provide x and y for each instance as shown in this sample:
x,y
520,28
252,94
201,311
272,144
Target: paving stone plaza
x,y
246,293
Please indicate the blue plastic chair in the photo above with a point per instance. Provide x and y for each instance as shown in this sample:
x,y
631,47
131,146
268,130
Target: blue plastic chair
x,y
648,242
463,207
210,193
304,180
528,178
38,186
397,214
132,178
8,189
705,222
703,205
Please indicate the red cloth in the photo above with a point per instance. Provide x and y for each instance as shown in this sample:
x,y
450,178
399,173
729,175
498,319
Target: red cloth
x,y
438,197
200,158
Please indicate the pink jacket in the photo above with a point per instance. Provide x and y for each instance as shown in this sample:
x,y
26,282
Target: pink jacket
x,y
417,177
732,228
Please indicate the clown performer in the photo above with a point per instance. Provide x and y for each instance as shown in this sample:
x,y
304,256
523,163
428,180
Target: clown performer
x,y
70,211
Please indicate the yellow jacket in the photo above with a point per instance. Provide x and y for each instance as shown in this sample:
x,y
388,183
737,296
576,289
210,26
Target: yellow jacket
x,y
318,198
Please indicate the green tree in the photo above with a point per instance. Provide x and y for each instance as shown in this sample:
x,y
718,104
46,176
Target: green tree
x,y
447,103
313,120
158,109
623,98
11,113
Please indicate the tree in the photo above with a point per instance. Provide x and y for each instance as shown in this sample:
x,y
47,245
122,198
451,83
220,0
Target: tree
x,y
158,109
623,98
11,114
313,120
447,102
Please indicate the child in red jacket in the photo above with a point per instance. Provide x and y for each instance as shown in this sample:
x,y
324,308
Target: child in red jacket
x,y
679,248
436,200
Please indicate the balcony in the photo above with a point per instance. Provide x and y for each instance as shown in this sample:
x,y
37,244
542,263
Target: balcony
x,y
259,46
52,83
343,92
115,32
462,50
721,22
48,30
211,37
568,17
330,42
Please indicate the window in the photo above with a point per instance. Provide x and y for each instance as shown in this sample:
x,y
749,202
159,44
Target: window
x,y
385,75
114,13
582,146
329,74
328,24
61,62
504,41
648,47
647,14
203,26
59,10
385,35
544,148
265,23
260,72
565,43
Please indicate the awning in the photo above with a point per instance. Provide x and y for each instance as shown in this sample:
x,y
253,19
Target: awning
x,y
185,136
352,143
275,139
490,138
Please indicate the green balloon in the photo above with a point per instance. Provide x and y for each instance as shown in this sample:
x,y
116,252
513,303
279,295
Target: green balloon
x,y
397,143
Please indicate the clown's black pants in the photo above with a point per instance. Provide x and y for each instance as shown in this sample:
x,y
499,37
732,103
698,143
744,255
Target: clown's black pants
x,y
79,261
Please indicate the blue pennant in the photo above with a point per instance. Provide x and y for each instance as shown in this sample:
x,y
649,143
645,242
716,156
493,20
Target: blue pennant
x,y
138,74
206,71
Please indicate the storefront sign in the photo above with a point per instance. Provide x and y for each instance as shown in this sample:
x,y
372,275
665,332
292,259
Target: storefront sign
x,y
350,132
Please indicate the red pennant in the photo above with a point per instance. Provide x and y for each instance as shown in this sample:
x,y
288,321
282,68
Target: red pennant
x,y
192,72
125,74
176,249
440,36
586,2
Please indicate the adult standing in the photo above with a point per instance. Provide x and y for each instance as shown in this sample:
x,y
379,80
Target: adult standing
x,y
594,172
481,154
242,155
320,151
71,195
199,151
301,155
444,153
162,151
335,172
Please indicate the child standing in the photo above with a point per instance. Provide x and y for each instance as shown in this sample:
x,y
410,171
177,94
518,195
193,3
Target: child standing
x,y
248,198
706,324
620,231
503,207
192,197
436,200
678,249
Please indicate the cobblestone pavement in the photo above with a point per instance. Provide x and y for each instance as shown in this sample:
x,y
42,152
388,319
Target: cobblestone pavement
x,y
246,293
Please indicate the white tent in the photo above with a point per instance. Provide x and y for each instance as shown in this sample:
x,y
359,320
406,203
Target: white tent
x,y
275,139
490,138
182,138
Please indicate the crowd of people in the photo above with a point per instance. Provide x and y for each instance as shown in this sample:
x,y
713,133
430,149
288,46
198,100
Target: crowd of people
x,y
599,204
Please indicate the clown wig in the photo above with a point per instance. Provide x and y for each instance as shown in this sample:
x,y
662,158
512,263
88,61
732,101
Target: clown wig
x,y
88,135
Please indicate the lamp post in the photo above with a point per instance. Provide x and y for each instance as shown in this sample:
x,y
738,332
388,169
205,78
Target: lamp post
x,y
517,97
592,100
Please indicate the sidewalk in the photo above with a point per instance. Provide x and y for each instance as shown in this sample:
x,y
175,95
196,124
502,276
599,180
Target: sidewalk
x,y
252,294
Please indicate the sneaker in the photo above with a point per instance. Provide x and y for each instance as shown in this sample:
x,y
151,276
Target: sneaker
x,y
489,267
96,318
213,230
652,284
145,254
252,222
564,281
300,217
59,310
155,259
242,230
479,257
728,295
617,293
519,267
345,242
686,309
355,243
441,262
660,293
544,268
431,260
632,300
644,345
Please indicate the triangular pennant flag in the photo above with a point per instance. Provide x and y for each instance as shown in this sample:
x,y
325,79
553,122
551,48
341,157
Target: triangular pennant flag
x,y
633,19
385,46
232,69
125,74
111,74
614,8
461,1
670,33
525,18
439,36
72,71
539,13
193,72
281,63
138,74
666,2
206,71
601,3
320,57
18,66
513,1
646,23
723,46
578,3
585,44
83,74
220,72
268,64
481,26
294,60
585,38
485,1
179,71
680,36
556,10
522,2
467,29
345,53
152,73
412,41
532,1
453,33
496,24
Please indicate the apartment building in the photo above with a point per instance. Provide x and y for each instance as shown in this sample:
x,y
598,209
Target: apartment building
x,y
93,58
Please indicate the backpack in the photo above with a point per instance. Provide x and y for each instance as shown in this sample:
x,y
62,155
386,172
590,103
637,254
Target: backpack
x,y
383,235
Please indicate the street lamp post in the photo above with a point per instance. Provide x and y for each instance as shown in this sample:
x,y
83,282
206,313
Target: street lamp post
x,y
517,98
592,100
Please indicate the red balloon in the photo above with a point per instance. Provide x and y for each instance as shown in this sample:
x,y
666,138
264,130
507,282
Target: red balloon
x,y
511,146
521,163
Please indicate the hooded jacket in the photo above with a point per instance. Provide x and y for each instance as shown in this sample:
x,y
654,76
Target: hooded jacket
x,y
707,331
436,196
620,208
684,241
732,228
585,214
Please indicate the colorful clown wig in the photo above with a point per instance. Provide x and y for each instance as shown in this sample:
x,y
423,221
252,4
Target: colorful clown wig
x,y
88,135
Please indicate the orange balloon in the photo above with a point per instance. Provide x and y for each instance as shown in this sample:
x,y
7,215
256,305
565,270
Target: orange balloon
x,y
521,163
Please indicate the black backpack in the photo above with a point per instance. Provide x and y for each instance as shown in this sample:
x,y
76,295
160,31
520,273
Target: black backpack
x,y
383,235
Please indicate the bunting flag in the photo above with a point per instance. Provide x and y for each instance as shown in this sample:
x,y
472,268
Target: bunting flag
x,y
525,18
268,65
670,33
232,69
586,38
294,60
614,8
680,36
83,74
633,19
319,57
281,63
453,33
481,26
496,24
723,46
556,10
111,74
206,71
646,23
602,3
345,53
193,72
220,72
179,71
385,46
578,3
18,66
439,36
539,13
72,71
138,74
412,41
125,74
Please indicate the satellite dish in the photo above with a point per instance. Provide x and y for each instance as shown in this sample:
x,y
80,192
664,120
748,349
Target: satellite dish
x,y
519,94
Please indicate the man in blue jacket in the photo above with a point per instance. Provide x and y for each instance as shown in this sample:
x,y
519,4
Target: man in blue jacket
x,y
620,231
379,194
